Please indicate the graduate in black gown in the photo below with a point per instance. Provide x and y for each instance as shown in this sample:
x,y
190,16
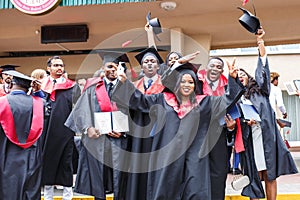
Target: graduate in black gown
x,y
266,156
100,155
21,127
61,94
178,163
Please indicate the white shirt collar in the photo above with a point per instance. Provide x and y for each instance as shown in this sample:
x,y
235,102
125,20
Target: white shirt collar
x,y
114,82
215,84
58,80
154,78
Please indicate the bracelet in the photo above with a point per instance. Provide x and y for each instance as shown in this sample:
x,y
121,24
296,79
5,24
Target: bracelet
x,y
260,42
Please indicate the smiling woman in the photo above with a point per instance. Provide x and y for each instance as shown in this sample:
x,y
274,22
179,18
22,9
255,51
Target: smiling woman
x,y
177,162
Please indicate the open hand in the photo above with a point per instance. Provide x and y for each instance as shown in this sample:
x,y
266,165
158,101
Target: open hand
x,y
188,57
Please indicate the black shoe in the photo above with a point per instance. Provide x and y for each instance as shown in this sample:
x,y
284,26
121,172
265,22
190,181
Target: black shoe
x,y
236,171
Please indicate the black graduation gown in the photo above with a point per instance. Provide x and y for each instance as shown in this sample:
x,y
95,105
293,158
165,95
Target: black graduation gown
x,y
21,169
178,164
100,160
278,158
136,184
59,143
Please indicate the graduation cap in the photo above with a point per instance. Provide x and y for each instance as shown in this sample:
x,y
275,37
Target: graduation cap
x,y
154,23
170,77
19,78
249,21
8,67
113,56
151,50
116,57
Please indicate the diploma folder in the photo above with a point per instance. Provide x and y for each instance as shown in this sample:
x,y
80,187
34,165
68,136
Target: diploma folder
x,y
233,112
250,112
292,86
106,122
286,123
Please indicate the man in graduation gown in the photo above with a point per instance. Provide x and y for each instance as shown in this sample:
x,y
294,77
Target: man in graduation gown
x,y
150,61
5,87
60,94
214,84
100,156
176,168
21,127
150,83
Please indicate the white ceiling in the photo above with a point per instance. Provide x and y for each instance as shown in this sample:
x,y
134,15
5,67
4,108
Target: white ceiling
x,y
217,18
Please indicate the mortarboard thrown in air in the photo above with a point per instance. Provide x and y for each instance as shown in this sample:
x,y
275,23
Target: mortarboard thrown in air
x,y
19,78
116,57
151,50
8,67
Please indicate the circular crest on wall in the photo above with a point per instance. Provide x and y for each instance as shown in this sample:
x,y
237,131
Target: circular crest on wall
x,y
35,7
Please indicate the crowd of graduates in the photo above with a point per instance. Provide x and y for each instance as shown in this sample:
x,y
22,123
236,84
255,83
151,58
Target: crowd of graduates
x,y
175,147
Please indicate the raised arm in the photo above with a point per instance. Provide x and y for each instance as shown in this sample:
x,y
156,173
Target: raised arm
x,y
150,35
260,42
262,72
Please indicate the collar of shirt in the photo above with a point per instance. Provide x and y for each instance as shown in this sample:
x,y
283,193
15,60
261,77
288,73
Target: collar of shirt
x,y
154,78
215,84
59,80
16,92
114,82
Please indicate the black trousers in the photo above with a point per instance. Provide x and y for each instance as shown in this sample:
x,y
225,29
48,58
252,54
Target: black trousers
x,y
219,168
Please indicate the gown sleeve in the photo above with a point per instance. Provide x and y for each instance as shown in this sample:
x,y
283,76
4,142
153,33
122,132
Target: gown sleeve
x,y
262,76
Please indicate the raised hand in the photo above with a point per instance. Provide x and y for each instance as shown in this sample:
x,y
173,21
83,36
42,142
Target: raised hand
x,y
188,57
233,71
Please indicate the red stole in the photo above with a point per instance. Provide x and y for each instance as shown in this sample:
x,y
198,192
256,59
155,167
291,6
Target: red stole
x,y
103,99
2,91
8,125
155,88
47,86
207,89
181,110
239,145
90,82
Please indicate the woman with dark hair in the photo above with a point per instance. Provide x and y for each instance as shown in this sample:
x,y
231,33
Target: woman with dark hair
x,y
266,156
172,57
178,165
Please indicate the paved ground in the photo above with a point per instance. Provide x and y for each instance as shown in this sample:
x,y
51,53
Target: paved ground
x,y
288,186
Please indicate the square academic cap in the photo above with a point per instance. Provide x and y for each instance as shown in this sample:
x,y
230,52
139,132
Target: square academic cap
x,y
154,22
113,56
8,67
18,75
151,50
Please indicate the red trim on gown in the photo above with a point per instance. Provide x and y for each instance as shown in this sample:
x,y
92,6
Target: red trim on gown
x,y
47,86
181,110
8,125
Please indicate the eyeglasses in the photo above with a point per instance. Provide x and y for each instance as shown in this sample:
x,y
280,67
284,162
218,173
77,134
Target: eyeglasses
x,y
58,65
